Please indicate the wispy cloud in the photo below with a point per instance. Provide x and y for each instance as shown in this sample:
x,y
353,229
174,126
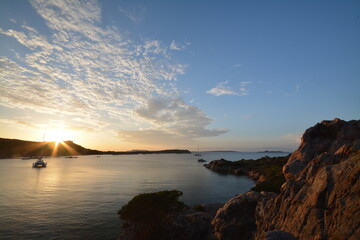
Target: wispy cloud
x,y
294,92
243,90
177,46
222,89
12,20
135,14
237,65
95,75
293,137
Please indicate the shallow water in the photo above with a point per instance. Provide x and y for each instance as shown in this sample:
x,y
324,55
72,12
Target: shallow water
x,y
78,198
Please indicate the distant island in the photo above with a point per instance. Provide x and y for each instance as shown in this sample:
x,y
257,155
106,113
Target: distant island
x,y
267,151
15,148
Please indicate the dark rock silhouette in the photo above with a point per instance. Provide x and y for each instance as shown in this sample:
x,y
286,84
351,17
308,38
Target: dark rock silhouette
x,y
14,148
160,216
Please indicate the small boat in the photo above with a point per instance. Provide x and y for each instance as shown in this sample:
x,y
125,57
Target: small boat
x,y
39,163
26,158
198,153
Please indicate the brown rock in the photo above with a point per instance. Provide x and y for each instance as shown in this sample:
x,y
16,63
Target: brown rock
x,y
236,219
321,198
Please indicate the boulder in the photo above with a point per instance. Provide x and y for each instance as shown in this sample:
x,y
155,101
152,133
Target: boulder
x,y
236,219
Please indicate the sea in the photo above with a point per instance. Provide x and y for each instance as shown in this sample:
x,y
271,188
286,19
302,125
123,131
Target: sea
x,y
78,198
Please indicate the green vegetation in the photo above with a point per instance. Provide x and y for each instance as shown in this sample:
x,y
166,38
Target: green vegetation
x,y
271,171
151,207
267,171
199,208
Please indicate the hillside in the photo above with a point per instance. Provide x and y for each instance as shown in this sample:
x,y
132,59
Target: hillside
x,y
14,148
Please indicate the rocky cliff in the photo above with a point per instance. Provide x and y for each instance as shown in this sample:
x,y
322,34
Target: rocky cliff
x,y
321,196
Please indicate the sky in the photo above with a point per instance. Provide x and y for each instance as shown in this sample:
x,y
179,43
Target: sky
x,y
153,74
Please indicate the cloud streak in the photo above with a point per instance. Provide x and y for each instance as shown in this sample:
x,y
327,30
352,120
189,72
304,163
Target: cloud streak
x,y
222,89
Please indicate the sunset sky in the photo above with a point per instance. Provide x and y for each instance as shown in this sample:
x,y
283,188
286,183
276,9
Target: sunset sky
x,y
224,75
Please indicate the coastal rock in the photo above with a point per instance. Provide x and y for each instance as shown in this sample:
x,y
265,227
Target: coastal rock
x,y
236,219
324,137
223,166
321,196
189,224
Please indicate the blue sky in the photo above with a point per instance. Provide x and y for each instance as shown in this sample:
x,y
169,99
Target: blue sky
x,y
229,75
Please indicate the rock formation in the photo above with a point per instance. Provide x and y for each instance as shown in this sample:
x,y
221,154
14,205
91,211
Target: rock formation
x,y
160,216
321,196
236,219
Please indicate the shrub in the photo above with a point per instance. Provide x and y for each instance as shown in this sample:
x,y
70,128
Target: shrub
x,y
149,207
199,208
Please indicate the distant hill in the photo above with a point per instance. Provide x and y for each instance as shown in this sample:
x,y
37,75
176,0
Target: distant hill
x,y
14,148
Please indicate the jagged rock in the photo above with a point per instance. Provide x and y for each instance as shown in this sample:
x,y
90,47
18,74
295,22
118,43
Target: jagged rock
x,y
327,136
321,197
236,219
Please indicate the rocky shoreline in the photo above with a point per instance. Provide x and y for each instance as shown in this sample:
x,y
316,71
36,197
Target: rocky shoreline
x,y
266,171
319,198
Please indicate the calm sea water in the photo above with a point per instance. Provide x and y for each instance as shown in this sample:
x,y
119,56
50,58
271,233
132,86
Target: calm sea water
x,y
78,198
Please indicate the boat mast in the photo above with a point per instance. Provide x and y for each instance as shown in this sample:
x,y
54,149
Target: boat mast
x,y
42,148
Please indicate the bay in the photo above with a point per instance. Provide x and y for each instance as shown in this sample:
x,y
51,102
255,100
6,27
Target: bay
x,y
78,198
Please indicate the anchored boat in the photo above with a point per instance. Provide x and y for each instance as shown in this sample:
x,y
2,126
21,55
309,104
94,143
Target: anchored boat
x,y
40,163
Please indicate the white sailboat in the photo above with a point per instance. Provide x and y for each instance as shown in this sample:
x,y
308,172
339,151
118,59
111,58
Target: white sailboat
x,y
198,153
40,163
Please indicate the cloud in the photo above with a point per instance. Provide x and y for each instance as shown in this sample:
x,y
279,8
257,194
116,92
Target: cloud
x,y
12,20
151,138
96,75
293,137
177,46
135,14
174,116
243,90
237,65
221,89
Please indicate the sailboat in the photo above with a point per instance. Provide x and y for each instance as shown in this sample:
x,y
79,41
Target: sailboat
x,y
198,153
40,163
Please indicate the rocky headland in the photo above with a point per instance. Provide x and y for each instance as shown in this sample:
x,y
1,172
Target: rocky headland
x,y
319,199
266,171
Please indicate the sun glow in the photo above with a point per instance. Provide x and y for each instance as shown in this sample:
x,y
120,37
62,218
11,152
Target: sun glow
x,y
58,135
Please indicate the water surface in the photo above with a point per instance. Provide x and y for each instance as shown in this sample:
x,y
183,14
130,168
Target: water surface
x,y
78,198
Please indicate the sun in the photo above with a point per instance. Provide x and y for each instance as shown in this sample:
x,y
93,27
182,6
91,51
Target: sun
x,y
58,135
